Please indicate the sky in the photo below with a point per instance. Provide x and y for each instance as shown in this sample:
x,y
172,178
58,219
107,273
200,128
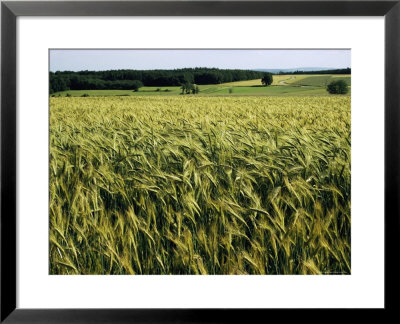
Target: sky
x,y
112,59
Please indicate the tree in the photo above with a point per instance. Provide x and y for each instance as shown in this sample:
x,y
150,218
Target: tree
x,y
121,79
188,87
58,84
267,79
136,84
338,87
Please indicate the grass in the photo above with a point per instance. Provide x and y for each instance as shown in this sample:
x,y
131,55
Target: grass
x,y
320,81
283,85
197,185
245,83
285,80
106,93
265,91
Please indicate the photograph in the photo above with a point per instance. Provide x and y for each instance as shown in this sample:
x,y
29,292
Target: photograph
x,y
199,161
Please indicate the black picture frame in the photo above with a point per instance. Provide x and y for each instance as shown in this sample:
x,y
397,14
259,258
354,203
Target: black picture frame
x,y
10,10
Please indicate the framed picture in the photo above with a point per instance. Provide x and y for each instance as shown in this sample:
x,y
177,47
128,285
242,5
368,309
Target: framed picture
x,y
197,161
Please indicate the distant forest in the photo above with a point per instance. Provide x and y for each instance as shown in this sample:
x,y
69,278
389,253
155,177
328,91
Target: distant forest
x,y
336,71
128,79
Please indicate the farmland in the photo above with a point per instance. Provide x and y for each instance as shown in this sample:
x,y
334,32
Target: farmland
x,y
251,181
283,85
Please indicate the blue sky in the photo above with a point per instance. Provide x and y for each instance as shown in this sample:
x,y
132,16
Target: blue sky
x,y
77,60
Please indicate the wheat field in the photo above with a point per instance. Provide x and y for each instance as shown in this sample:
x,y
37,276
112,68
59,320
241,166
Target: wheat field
x,y
200,185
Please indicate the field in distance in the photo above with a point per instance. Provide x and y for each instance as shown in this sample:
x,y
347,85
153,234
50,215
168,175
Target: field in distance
x,y
283,85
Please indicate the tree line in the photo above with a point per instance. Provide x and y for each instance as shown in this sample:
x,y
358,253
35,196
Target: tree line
x,y
335,71
134,79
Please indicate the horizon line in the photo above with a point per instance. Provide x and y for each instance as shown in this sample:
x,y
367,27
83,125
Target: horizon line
x,y
203,67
